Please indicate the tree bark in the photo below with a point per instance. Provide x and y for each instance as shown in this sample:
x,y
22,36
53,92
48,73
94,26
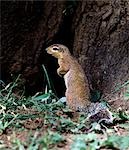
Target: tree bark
x,y
101,43
27,27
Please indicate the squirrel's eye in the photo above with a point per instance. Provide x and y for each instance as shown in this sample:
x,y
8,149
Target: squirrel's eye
x,y
55,48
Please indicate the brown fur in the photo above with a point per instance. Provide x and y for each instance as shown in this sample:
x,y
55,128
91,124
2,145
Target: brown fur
x,y
77,88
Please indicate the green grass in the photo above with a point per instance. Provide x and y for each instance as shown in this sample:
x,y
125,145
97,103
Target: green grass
x,y
54,123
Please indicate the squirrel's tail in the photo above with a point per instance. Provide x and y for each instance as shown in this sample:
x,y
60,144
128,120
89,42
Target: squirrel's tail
x,y
98,112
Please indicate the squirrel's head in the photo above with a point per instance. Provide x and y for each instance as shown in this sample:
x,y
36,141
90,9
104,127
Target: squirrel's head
x,y
57,50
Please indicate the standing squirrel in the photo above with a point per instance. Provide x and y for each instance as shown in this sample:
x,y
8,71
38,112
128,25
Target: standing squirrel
x,y
77,87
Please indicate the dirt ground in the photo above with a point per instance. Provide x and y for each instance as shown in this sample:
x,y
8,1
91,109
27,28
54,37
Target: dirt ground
x,y
37,128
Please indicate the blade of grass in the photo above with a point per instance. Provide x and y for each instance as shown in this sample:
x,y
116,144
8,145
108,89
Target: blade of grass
x,y
121,86
50,86
47,77
14,84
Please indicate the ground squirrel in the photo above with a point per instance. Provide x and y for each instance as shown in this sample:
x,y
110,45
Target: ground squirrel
x,y
77,88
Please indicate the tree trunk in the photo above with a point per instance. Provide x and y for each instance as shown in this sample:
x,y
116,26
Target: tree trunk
x,y
101,43
27,27
97,32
